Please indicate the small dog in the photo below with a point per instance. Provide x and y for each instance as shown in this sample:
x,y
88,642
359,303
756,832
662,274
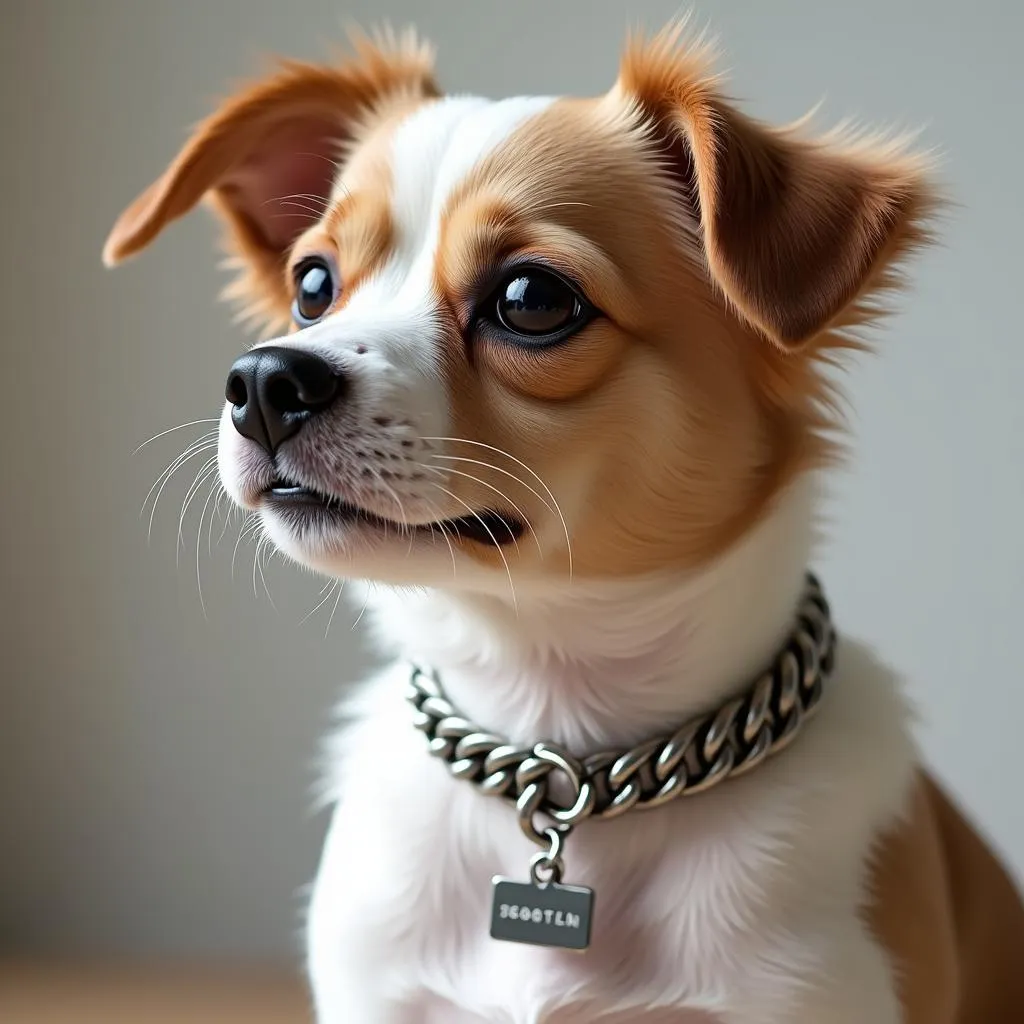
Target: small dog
x,y
556,392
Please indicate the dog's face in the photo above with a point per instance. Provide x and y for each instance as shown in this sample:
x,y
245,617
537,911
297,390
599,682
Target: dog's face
x,y
528,336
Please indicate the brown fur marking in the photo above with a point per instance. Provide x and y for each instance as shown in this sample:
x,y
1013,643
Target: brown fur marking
x,y
949,916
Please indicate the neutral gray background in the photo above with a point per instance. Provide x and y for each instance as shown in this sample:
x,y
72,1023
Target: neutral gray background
x,y
155,766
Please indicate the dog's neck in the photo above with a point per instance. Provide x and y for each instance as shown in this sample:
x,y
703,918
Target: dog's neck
x,y
599,664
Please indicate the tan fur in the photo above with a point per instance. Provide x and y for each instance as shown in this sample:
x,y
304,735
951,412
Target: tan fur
x,y
269,156
950,918
354,225
662,353
723,418
792,229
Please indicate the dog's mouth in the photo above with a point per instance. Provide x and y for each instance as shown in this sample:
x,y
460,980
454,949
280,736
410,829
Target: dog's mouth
x,y
303,504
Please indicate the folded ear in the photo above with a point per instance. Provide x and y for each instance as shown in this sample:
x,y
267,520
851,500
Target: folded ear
x,y
793,230
272,146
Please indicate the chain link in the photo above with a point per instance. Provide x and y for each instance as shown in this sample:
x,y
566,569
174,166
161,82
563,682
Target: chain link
x,y
703,753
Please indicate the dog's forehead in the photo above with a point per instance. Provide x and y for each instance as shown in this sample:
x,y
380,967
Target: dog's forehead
x,y
428,154
438,146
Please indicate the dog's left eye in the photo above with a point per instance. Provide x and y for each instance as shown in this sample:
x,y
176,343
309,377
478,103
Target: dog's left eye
x,y
315,290
535,306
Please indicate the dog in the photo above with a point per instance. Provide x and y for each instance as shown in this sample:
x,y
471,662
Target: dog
x,y
550,381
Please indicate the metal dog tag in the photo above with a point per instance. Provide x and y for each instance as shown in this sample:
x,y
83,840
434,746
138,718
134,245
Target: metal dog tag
x,y
542,914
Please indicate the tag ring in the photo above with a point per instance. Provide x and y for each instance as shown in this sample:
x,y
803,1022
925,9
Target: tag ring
x,y
532,778
548,866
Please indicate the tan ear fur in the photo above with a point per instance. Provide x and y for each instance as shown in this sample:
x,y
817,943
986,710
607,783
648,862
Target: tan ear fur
x,y
793,230
271,140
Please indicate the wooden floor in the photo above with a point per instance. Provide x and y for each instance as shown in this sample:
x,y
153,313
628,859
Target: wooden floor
x,y
42,994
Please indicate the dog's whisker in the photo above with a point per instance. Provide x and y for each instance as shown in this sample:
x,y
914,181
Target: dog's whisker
x,y
403,518
256,565
255,559
336,164
203,445
215,488
503,472
171,430
515,507
522,465
305,196
334,610
302,206
483,522
269,555
447,537
219,491
227,519
260,563
325,595
438,525
205,472
312,216
501,494
250,524
359,617
312,197
255,562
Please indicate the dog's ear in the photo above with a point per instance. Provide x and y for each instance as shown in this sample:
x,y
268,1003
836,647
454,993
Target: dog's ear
x,y
273,148
793,231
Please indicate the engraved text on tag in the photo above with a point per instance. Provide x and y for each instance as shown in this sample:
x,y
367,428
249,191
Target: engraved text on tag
x,y
542,915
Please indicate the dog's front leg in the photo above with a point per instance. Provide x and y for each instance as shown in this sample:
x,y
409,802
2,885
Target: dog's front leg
x,y
346,985
351,970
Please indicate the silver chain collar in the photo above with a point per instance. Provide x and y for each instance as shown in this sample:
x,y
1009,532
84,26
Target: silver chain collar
x,y
695,758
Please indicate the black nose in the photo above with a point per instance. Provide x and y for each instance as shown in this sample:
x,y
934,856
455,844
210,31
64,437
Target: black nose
x,y
275,390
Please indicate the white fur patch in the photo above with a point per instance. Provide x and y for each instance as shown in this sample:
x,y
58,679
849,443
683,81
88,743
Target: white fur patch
x,y
741,905
387,341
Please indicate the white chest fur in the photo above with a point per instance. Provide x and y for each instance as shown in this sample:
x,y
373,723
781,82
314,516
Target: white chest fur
x,y
732,903
741,905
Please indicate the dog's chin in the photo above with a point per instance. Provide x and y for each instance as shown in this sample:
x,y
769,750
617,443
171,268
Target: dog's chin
x,y
326,530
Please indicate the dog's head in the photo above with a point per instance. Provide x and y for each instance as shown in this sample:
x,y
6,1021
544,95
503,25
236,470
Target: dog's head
x,y
532,331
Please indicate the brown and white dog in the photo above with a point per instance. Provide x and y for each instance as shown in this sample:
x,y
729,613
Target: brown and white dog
x,y
556,390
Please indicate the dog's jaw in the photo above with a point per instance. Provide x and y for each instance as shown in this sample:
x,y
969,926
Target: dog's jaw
x,y
597,664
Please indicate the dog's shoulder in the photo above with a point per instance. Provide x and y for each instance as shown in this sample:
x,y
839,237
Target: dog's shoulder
x,y
948,914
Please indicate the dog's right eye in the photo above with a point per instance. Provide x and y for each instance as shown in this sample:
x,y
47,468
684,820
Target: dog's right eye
x,y
315,290
535,307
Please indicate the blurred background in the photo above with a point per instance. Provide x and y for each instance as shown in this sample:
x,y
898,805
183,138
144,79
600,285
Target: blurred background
x,y
156,763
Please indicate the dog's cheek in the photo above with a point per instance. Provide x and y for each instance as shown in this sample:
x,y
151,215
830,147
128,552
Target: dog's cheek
x,y
559,372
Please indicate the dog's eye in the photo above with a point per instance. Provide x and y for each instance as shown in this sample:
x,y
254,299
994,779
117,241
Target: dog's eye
x,y
315,290
537,306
